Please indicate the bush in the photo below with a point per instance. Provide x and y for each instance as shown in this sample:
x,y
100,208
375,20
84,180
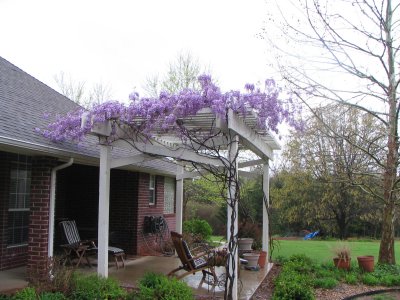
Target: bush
x,y
351,279
325,283
292,285
159,287
390,280
95,287
28,293
52,296
198,228
295,280
370,279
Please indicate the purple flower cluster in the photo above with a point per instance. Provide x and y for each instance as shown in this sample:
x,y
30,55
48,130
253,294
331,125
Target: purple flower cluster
x,y
149,115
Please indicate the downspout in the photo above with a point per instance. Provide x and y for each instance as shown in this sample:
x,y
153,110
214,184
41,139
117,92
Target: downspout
x,y
52,203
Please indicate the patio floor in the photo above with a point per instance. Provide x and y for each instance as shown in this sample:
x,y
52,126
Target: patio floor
x,y
135,267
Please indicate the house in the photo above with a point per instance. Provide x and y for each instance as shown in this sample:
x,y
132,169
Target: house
x,y
42,182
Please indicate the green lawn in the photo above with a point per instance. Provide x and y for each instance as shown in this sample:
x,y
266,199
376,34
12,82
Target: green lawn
x,y
321,251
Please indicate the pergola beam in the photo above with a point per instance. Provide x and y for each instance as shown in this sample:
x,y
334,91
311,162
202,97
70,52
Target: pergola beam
x,y
251,163
180,153
138,158
249,137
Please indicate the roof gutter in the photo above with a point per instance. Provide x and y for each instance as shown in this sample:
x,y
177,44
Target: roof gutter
x,y
53,184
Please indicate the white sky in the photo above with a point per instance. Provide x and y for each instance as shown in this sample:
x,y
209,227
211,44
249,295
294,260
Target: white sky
x,y
120,42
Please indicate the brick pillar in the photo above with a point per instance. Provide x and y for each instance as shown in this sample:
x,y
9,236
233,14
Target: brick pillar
x,y
39,217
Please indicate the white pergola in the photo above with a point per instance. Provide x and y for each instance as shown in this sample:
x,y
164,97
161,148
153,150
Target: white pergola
x,y
231,135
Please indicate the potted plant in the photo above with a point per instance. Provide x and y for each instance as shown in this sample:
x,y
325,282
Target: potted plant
x,y
248,233
342,257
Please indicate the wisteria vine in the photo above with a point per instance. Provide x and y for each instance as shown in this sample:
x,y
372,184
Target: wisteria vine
x,y
145,115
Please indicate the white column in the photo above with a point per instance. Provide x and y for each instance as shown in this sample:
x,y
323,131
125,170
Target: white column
x,y
233,267
179,200
104,206
265,231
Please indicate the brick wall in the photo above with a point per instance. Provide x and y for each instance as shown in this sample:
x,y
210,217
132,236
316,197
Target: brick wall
x,y
10,257
147,244
39,215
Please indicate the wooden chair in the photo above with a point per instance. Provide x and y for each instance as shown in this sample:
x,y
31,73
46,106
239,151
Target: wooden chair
x,y
191,264
75,246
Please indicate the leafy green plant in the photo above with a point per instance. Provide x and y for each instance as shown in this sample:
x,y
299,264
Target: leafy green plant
x,y
52,296
198,228
369,279
292,285
28,293
95,287
390,280
325,282
159,287
294,281
351,278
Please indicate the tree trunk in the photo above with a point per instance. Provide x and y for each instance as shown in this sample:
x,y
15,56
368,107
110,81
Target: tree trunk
x,y
386,250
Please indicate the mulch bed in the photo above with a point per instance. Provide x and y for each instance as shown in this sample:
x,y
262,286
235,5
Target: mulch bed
x,y
266,288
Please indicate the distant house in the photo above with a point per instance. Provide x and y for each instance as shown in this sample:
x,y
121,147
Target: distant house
x,y
36,174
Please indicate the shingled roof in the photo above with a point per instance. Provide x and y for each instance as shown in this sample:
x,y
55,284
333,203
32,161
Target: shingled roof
x,y
26,104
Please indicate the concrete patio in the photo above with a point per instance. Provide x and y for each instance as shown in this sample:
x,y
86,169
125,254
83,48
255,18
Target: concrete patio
x,y
135,267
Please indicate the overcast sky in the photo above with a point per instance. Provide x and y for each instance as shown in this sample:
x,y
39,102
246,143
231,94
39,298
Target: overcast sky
x,y
120,43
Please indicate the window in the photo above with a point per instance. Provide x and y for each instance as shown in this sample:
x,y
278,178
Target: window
x,y
152,190
19,201
169,195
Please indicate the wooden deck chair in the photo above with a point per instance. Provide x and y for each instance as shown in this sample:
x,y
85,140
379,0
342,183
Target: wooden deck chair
x,y
75,246
191,264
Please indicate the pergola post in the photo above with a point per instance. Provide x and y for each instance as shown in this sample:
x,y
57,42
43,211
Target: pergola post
x,y
232,212
179,199
265,231
104,207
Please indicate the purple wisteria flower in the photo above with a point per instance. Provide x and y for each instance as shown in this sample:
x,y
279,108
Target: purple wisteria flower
x,y
145,115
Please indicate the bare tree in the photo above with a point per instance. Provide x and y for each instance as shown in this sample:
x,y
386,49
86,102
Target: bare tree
x,y
347,51
77,92
182,74
71,89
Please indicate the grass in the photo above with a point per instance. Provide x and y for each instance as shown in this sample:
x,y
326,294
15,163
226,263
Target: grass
x,y
321,251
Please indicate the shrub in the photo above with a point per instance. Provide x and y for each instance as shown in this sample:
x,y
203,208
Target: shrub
x,y
390,280
52,296
351,278
95,287
325,282
28,293
158,287
294,281
292,285
370,279
58,279
198,228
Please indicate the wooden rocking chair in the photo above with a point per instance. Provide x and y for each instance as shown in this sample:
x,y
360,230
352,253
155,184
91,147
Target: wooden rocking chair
x,y
191,264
